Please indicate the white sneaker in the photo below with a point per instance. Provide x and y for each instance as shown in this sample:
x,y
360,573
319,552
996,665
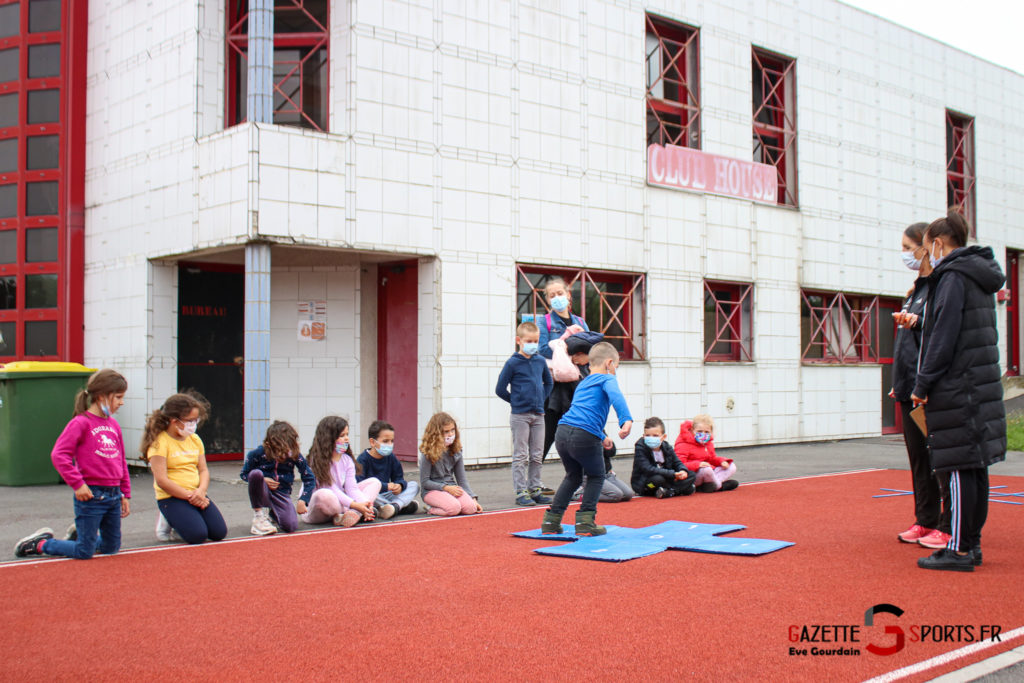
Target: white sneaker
x,y
261,524
386,511
163,528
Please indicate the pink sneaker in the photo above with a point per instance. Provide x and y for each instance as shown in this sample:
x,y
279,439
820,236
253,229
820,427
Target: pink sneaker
x,y
913,533
935,540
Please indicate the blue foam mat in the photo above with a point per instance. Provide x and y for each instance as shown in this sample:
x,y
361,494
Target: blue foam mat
x,y
673,533
603,548
734,546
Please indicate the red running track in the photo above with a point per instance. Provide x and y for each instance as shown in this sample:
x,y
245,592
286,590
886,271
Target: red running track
x,y
460,598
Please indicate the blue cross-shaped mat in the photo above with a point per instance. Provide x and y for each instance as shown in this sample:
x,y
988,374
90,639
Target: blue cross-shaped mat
x,y
623,543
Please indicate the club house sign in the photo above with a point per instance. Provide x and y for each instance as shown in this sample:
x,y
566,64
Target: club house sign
x,y
683,168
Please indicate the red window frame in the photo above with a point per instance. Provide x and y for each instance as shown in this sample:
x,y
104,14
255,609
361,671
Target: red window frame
x,y
287,99
68,264
619,315
839,329
774,120
673,83
731,304
960,175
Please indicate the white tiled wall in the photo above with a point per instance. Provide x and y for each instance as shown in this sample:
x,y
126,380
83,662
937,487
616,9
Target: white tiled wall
x,y
477,135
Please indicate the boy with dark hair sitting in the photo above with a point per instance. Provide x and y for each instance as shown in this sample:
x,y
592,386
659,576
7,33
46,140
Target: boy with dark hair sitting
x,y
656,469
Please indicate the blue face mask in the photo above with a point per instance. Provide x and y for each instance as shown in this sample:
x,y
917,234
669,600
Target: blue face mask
x,y
702,437
560,302
935,261
340,448
105,409
530,348
652,442
385,449
909,261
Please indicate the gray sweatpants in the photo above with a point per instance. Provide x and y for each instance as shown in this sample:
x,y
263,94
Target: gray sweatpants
x,y
527,448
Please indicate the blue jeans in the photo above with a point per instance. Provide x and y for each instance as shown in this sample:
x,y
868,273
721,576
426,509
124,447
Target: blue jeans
x,y
581,453
98,523
399,500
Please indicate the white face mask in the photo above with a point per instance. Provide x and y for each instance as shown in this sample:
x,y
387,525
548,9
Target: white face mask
x,y
190,427
449,440
931,257
909,261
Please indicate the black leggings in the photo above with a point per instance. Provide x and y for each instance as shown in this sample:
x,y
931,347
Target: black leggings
x,y
678,487
931,491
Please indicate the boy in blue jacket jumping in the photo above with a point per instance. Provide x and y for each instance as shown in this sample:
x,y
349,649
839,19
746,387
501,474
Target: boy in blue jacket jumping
x,y
525,383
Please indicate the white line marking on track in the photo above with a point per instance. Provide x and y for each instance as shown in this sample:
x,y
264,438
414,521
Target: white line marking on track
x,y
946,658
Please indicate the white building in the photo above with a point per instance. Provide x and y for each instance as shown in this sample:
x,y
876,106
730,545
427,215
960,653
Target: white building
x,y
465,146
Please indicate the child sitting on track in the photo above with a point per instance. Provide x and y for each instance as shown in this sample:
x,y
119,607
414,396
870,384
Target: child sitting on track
x,y
580,438
379,461
656,469
442,472
269,470
695,446
339,497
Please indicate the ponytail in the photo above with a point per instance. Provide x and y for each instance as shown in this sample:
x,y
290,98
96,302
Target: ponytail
x,y
953,228
101,383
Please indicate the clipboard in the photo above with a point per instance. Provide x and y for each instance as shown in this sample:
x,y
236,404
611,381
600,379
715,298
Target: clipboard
x,y
917,415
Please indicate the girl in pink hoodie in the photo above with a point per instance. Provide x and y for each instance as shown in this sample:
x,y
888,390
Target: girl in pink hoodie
x,y
89,455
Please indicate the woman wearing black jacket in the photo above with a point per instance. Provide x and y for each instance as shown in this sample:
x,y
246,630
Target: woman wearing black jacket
x,y
931,519
959,383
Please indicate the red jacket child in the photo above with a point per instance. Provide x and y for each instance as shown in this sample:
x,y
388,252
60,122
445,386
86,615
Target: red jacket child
x,y
691,453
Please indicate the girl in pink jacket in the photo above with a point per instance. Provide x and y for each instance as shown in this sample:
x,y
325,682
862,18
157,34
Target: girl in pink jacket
x,y
89,455
695,447
338,496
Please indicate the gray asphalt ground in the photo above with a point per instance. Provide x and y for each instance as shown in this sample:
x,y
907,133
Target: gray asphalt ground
x,y
25,509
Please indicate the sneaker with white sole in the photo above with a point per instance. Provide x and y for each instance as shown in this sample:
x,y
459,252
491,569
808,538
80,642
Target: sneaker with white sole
x,y
72,533
386,511
348,519
935,540
163,528
261,524
33,543
912,534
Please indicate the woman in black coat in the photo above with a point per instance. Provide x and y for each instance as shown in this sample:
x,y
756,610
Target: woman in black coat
x,y
959,383
931,519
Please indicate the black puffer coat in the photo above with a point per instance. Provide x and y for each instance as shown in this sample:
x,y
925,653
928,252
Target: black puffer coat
x,y
959,371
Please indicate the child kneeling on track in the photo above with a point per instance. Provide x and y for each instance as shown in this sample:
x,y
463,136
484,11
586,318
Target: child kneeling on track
x,y
580,440
177,458
269,470
339,497
379,461
442,471
656,469
89,455
695,446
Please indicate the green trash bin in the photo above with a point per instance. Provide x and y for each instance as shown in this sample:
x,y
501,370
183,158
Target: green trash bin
x,y
37,400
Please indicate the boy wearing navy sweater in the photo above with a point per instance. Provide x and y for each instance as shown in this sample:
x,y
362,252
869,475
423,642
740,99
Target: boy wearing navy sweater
x,y
379,461
580,440
525,383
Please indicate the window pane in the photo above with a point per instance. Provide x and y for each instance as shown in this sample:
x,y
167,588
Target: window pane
x,y
8,201
41,198
41,338
8,246
41,245
8,339
9,65
43,106
9,110
310,18
43,151
44,60
300,87
8,292
8,155
43,15
9,20
41,291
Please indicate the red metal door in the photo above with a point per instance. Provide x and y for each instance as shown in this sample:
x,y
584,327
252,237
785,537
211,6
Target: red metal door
x,y
891,418
397,358
1012,315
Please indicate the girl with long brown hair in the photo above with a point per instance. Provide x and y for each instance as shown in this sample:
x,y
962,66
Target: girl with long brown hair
x,y
338,496
269,469
89,455
177,459
442,472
